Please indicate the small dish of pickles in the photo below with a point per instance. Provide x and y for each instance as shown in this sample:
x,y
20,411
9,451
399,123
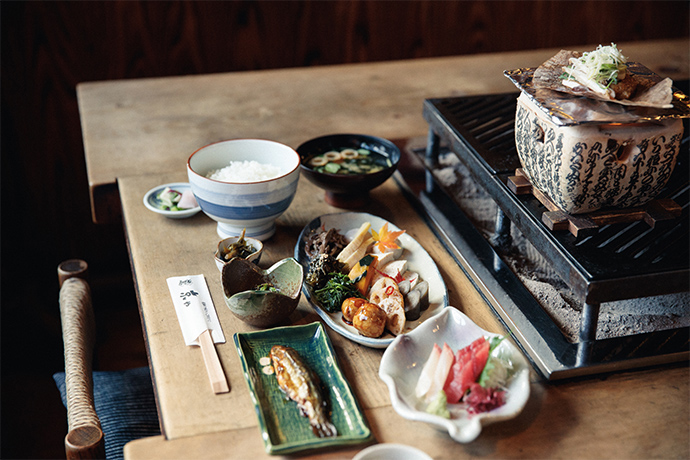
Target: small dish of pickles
x,y
175,201
238,246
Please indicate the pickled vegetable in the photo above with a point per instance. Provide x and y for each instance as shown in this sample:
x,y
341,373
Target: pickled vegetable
x,y
338,288
240,248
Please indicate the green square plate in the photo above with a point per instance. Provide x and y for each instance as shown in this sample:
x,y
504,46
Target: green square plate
x,y
283,428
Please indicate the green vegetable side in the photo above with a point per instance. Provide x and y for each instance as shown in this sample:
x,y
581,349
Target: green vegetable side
x,y
338,288
266,287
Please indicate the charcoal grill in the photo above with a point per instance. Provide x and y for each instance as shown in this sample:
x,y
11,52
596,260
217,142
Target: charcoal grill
x,y
614,262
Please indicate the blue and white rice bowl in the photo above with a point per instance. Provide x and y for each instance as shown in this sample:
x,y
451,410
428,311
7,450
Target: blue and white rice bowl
x,y
253,206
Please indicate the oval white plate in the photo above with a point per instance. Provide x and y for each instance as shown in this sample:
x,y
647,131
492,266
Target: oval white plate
x,y
152,202
402,363
418,261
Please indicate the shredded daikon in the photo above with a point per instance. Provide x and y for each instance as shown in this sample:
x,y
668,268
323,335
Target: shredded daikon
x,y
597,69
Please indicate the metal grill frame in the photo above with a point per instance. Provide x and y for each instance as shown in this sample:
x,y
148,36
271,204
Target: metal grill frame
x,y
483,140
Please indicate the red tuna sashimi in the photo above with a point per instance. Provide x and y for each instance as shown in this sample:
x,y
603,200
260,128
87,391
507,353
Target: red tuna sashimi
x,y
468,366
453,386
481,356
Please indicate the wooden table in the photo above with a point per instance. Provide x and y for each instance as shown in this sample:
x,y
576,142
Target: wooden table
x,y
639,414
145,126
138,134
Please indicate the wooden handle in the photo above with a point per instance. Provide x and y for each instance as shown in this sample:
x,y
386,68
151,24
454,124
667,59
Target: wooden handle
x,y
219,383
85,436
72,268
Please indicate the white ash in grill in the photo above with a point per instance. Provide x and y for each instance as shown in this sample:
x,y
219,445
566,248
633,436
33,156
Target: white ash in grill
x,y
616,319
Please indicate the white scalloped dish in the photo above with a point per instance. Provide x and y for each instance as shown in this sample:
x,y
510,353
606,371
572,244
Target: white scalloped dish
x,y
403,360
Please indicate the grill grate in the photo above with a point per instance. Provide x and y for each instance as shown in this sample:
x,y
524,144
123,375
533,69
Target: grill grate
x,y
616,262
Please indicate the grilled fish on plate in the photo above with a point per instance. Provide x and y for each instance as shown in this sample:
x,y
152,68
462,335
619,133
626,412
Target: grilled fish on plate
x,y
301,385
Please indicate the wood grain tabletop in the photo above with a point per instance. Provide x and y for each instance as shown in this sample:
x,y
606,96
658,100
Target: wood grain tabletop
x,y
139,133
149,126
640,414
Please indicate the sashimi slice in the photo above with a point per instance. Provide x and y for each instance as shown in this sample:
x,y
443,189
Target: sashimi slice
x,y
478,343
469,363
453,384
445,362
467,375
428,371
481,355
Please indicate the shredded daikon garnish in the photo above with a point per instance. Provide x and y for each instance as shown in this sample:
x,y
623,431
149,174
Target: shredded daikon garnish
x,y
597,69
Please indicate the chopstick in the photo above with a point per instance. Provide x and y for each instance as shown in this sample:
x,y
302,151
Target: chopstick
x,y
219,383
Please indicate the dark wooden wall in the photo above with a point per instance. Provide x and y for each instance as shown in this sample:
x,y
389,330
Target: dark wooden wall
x,y
49,47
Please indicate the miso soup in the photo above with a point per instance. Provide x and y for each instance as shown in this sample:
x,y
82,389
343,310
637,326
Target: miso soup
x,y
350,161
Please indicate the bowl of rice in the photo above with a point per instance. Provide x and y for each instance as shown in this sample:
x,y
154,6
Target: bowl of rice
x,y
244,184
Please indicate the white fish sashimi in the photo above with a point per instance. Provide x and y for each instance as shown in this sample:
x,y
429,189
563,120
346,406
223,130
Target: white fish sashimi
x,y
428,372
445,361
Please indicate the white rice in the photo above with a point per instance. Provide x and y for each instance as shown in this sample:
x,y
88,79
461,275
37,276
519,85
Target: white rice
x,y
245,171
